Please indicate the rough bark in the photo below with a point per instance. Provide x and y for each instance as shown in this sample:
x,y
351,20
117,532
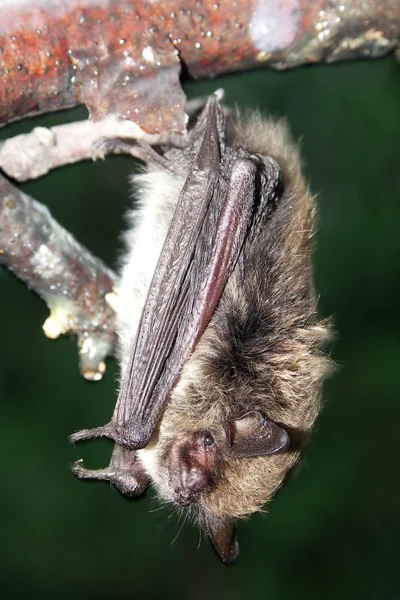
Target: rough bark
x,y
124,57
73,283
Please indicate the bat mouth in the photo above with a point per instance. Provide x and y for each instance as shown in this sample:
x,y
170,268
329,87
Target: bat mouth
x,y
184,498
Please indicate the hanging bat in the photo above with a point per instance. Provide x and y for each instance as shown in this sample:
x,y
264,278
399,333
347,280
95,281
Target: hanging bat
x,y
219,340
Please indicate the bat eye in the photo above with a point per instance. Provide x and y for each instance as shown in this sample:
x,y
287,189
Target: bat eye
x,y
208,439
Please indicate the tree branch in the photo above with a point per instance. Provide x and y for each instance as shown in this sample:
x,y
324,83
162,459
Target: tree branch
x,y
34,154
124,57
72,282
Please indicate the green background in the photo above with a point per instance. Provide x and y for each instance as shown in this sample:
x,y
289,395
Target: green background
x,y
334,531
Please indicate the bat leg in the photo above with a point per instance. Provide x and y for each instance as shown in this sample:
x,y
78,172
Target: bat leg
x,y
104,146
136,148
124,472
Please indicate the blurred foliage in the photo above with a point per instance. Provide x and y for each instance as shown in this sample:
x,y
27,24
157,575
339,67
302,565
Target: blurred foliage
x,y
334,531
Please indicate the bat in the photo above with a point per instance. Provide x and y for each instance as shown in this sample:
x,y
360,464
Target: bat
x,y
219,337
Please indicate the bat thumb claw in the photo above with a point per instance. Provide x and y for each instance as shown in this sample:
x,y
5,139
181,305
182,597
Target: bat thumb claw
x,y
89,434
79,470
82,473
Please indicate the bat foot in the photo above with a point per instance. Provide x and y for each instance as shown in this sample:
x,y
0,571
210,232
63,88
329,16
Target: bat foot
x,y
127,482
103,146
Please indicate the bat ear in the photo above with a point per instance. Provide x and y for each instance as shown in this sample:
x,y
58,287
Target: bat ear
x,y
253,435
222,536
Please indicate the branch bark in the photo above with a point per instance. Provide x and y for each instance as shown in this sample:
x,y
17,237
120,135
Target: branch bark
x,y
34,154
72,282
124,57
77,287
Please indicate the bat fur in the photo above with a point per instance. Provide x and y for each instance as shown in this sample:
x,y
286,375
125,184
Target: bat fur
x,y
261,350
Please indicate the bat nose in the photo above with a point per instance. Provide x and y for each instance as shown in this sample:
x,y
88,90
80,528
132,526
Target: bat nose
x,y
192,483
183,497
191,467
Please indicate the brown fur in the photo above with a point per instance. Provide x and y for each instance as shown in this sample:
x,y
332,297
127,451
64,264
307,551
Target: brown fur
x,y
261,350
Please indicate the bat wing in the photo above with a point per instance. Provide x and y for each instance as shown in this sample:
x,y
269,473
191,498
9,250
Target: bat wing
x,y
210,223
201,249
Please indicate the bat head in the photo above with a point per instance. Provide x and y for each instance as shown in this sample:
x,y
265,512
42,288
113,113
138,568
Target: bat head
x,y
235,424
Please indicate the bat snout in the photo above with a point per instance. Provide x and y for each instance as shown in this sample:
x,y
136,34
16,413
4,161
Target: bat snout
x,y
191,468
183,498
192,483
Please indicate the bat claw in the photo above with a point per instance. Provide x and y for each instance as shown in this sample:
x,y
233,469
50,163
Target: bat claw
x,y
103,146
89,434
82,473
109,431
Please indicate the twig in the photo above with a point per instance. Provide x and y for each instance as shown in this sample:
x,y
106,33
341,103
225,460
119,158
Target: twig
x,y
73,283
34,154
